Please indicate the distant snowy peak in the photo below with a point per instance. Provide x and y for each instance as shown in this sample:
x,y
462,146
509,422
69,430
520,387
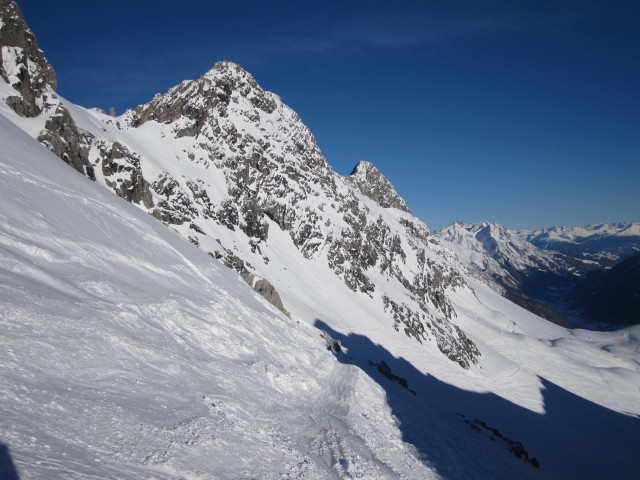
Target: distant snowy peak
x,y
497,243
22,64
373,184
510,264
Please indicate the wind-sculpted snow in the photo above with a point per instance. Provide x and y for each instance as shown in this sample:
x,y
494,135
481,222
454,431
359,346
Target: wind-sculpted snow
x,y
128,353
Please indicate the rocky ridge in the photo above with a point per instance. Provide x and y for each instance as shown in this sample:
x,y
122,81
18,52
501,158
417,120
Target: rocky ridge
x,y
224,163
22,64
371,183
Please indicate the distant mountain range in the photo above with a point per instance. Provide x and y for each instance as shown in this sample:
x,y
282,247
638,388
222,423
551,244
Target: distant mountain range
x,y
605,243
549,271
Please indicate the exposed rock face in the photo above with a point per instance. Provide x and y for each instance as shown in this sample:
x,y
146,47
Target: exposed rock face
x,y
62,137
22,63
226,163
371,183
122,173
24,67
268,291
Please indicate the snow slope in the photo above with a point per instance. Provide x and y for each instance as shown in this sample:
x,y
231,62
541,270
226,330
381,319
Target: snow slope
x,y
253,189
127,353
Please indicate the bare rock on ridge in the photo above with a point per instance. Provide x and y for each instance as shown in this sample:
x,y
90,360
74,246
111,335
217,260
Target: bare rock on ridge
x,y
22,63
373,184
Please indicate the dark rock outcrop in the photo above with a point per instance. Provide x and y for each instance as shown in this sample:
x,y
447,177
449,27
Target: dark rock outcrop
x,y
67,141
266,290
22,63
516,448
385,370
117,161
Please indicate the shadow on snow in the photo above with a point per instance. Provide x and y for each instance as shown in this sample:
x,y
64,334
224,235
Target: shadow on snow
x,y
7,468
574,438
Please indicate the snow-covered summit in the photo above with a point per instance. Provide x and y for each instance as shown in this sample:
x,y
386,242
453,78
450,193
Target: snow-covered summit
x,y
371,182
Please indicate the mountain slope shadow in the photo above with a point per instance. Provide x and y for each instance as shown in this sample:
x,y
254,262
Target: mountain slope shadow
x,y
8,470
470,435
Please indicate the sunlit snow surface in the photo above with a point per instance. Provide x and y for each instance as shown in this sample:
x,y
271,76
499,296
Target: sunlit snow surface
x,y
126,352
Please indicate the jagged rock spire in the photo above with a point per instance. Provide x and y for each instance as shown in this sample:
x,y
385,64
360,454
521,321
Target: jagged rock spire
x,y
22,63
373,184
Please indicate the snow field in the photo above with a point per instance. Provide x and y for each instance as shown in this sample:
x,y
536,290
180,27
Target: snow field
x,y
127,352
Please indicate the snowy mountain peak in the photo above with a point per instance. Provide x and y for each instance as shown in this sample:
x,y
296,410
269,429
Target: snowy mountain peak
x,y
22,63
373,184
481,236
497,243
237,173
509,263
572,234
225,86
230,69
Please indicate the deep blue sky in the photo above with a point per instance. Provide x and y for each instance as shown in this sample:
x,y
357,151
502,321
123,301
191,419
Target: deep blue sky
x,y
525,113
